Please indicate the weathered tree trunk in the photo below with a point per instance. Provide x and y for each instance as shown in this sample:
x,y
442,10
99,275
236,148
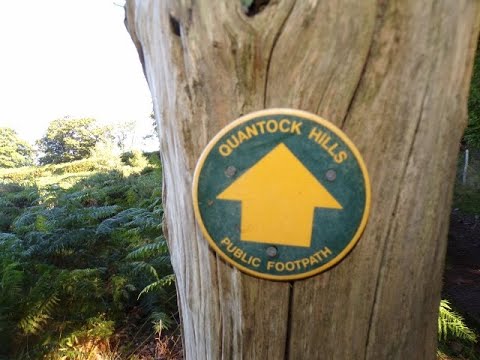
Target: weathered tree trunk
x,y
394,75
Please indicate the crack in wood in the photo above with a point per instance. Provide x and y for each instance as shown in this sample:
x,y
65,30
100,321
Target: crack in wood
x,y
357,87
378,280
330,77
380,15
289,320
219,294
274,43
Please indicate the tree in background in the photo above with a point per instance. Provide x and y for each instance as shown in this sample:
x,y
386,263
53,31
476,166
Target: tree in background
x,y
14,151
124,134
70,139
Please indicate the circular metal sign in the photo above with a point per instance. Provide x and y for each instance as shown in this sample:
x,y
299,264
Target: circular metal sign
x,y
281,194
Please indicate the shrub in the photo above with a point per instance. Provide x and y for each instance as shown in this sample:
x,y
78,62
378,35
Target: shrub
x,y
135,158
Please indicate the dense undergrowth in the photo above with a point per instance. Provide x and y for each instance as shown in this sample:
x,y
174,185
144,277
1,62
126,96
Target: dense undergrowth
x,y
84,267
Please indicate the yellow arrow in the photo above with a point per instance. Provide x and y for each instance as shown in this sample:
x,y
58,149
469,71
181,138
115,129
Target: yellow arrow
x,y
278,196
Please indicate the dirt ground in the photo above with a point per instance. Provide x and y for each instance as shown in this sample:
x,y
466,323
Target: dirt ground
x,y
462,269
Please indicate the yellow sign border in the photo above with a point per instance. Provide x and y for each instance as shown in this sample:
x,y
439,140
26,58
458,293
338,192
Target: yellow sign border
x,y
302,114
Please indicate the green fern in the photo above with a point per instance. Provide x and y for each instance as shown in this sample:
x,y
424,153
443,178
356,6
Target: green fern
x,y
452,325
95,330
159,284
11,279
110,225
161,321
122,288
77,251
142,267
36,320
159,247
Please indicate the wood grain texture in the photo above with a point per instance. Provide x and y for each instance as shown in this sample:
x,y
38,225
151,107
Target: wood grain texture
x,y
394,75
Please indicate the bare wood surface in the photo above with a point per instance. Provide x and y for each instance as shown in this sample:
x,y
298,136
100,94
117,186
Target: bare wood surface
x,y
394,76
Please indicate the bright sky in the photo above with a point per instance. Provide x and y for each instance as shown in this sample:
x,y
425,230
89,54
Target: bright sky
x,y
68,58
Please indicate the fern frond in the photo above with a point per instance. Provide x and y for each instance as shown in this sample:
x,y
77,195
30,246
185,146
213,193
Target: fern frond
x,y
451,324
143,267
102,212
108,226
35,321
165,281
149,250
162,260
26,221
161,321
7,237
9,244
11,280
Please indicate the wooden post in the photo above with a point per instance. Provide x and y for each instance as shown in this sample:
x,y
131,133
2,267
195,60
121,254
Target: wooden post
x,y
394,75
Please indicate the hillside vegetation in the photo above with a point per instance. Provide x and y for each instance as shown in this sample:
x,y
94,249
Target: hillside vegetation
x,y
84,267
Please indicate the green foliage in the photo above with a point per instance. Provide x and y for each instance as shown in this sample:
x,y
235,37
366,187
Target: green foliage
x,y
451,325
467,195
76,260
14,152
135,158
467,200
70,139
472,133
454,336
23,174
13,199
152,259
38,314
160,321
158,284
95,330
